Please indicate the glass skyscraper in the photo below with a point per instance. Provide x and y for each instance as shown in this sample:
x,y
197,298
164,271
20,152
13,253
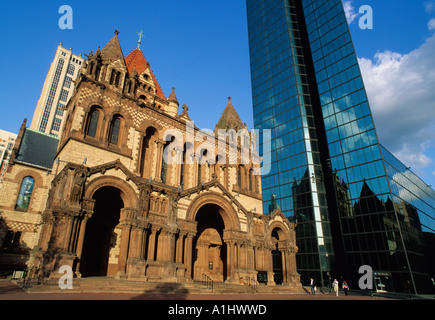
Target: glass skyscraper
x,y
355,203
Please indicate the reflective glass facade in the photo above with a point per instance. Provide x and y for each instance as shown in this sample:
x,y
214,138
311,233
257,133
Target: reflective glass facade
x,y
352,201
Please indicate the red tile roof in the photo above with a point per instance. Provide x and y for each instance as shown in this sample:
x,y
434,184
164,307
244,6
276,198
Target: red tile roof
x,y
136,59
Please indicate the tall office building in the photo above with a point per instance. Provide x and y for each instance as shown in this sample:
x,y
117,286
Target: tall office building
x,y
354,202
56,92
7,141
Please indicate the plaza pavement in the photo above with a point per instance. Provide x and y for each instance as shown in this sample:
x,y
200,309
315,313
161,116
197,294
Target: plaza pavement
x,y
10,291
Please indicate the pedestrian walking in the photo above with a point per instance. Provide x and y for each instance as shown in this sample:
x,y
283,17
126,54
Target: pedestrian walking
x,y
312,285
345,288
335,286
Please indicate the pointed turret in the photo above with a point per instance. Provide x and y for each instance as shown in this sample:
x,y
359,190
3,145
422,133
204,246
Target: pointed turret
x,y
173,97
107,64
172,108
230,118
112,50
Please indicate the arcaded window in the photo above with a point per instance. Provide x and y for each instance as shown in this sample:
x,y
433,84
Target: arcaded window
x,y
239,176
93,123
114,130
251,177
201,166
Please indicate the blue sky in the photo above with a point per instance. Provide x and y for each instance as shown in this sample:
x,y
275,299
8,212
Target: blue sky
x,y
200,47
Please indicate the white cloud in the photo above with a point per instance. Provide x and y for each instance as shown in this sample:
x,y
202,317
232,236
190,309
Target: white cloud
x,y
402,98
431,24
413,192
429,6
351,14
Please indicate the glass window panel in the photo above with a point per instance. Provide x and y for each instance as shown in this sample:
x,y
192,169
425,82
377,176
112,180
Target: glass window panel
x,y
93,123
115,131
25,193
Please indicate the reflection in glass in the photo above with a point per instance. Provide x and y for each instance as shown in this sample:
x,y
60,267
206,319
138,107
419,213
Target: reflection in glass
x,y
353,203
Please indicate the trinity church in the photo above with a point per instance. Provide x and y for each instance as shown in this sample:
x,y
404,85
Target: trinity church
x,y
104,199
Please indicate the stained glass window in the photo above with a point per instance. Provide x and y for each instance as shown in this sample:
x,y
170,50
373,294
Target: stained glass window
x,y
25,193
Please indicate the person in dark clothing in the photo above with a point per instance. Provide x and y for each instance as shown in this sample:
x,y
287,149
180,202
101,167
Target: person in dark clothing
x,y
312,285
345,288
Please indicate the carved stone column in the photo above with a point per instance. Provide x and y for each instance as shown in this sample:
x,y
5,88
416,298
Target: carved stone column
x,y
230,260
67,236
126,221
80,242
176,166
179,249
250,257
269,261
46,230
144,244
284,266
152,243
159,157
169,246
136,241
188,251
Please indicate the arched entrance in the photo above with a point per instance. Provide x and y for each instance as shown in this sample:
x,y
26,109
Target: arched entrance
x,y
100,234
277,256
209,249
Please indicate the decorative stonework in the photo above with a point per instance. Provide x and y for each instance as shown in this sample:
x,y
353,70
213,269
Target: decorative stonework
x,y
110,211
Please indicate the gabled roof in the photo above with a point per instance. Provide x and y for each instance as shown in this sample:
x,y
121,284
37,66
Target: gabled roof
x,y
136,60
230,118
37,148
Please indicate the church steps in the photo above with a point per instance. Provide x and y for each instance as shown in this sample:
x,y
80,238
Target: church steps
x,y
110,285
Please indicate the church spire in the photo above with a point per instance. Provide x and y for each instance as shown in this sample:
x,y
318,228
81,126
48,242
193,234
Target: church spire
x,y
172,97
230,118
112,50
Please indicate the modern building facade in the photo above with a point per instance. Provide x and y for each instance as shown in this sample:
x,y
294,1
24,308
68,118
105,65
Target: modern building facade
x,y
49,115
355,204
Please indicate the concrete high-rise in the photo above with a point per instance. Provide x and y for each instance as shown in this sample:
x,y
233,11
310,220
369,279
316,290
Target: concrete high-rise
x,y
354,202
49,115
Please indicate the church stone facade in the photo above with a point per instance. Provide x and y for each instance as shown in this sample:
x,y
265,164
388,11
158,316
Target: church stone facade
x,y
136,191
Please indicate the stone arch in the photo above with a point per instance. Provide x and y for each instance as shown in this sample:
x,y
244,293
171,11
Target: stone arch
x,y
279,236
280,229
122,113
128,194
146,123
100,237
214,245
228,214
150,133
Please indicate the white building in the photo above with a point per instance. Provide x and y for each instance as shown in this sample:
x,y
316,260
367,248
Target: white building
x,y
7,141
56,92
